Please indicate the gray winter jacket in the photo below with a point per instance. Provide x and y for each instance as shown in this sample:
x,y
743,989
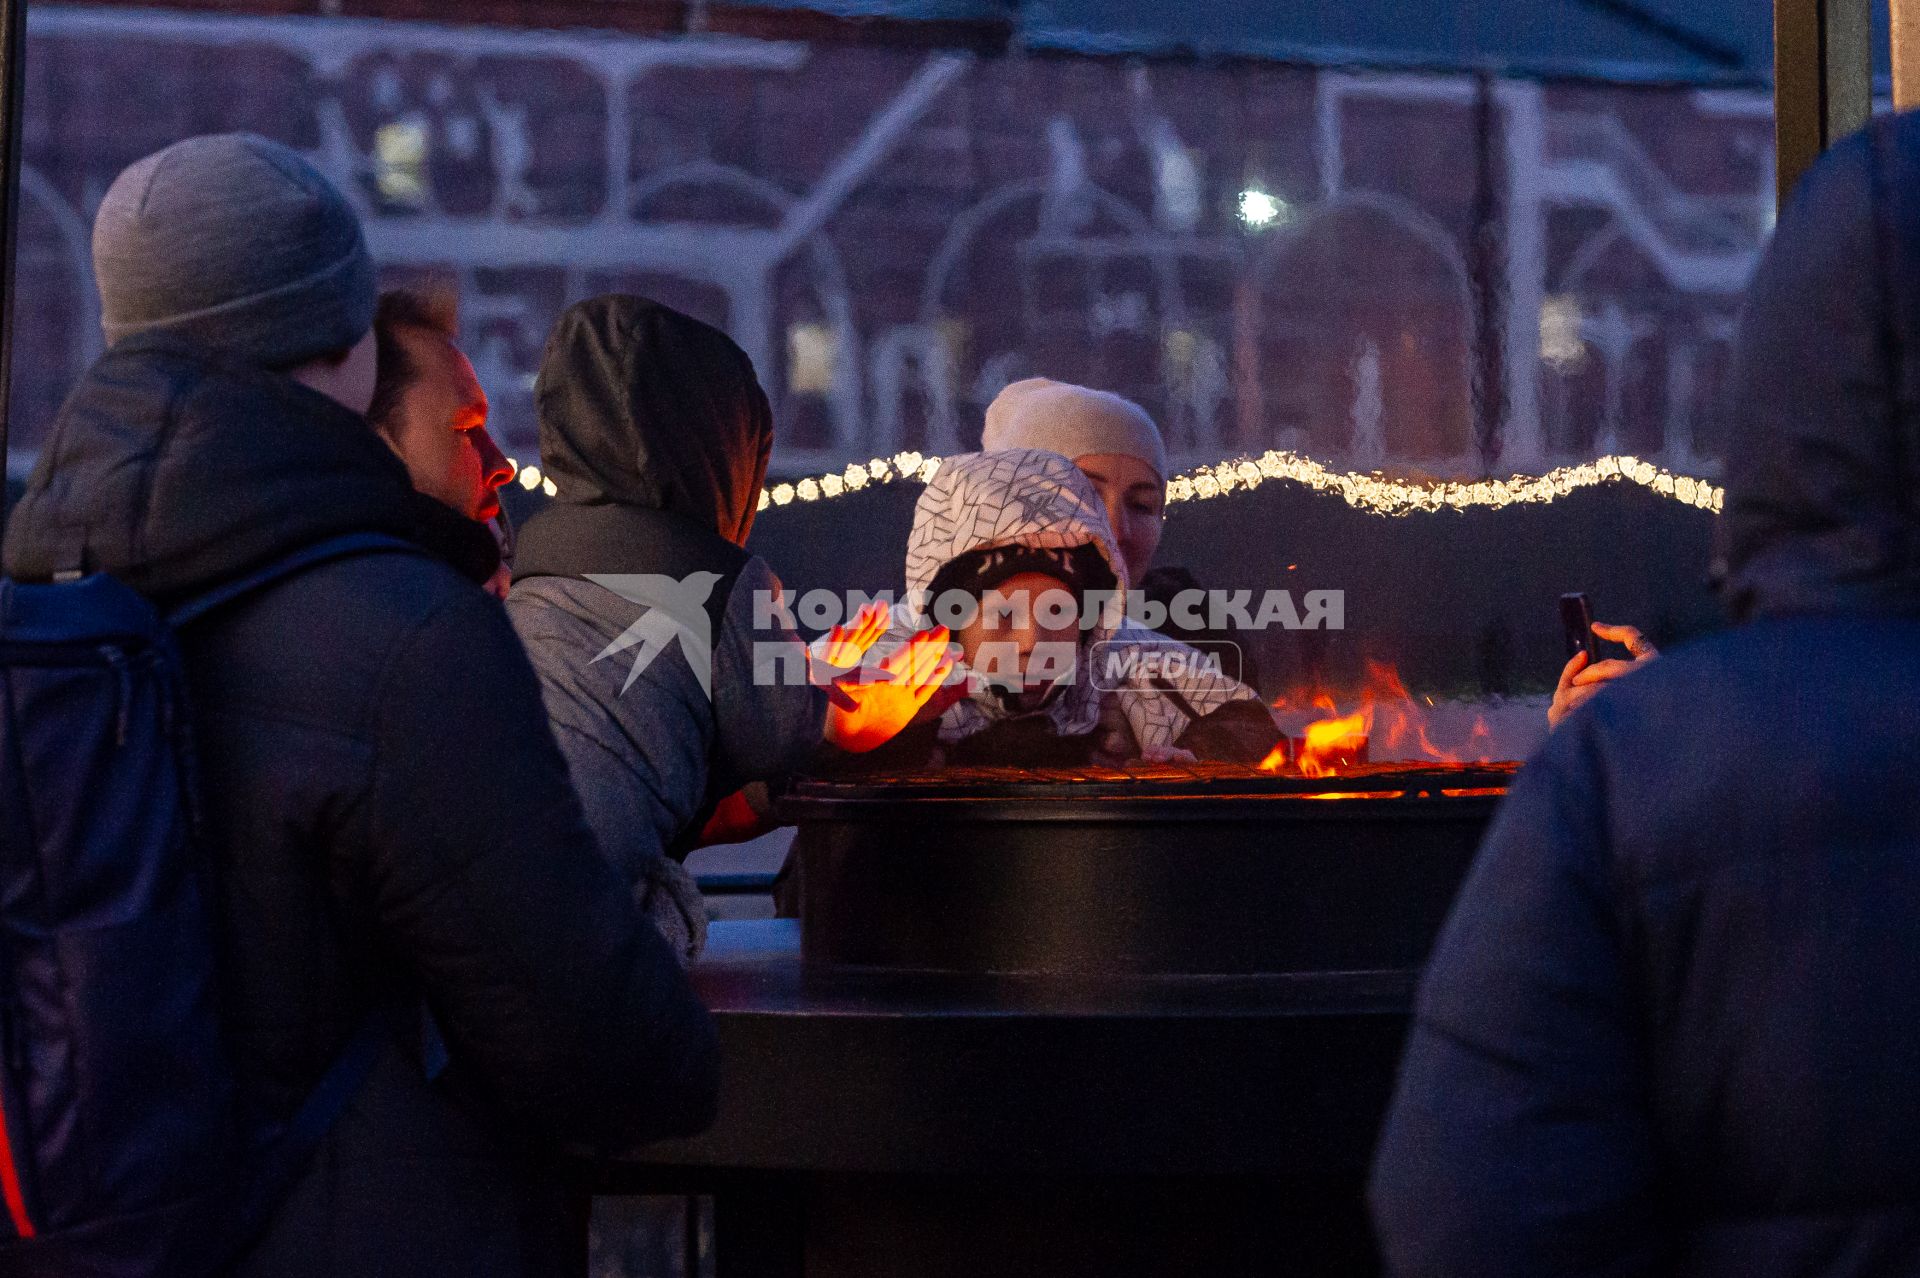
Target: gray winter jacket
x,y
635,600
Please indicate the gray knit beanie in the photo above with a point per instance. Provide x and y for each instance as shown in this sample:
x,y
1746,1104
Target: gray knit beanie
x,y
235,243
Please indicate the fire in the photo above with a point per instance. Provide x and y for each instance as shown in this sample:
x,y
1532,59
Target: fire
x,y
1388,724
1333,743
1367,794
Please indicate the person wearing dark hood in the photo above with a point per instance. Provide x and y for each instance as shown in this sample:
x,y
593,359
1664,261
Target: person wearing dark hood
x,y
656,634
1670,1025
389,821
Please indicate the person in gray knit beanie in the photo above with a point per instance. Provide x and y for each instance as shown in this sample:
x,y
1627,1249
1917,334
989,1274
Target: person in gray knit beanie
x,y
236,244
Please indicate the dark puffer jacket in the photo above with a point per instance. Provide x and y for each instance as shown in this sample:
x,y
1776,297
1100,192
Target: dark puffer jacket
x,y
391,822
1673,1025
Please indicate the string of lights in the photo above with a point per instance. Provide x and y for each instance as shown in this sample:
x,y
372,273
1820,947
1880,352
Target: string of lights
x,y
881,470
530,478
1369,492
1381,496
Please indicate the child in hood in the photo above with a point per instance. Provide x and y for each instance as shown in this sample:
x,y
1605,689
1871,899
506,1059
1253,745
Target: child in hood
x,y
1013,551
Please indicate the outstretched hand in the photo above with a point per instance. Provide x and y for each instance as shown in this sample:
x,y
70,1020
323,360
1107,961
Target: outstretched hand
x,y
844,646
1579,681
867,709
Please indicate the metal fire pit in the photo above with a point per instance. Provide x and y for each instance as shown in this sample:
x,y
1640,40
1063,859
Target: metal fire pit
x,y
1081,1025
1183,870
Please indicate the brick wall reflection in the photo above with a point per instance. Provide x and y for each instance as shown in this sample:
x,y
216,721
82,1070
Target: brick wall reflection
x,y
1266,256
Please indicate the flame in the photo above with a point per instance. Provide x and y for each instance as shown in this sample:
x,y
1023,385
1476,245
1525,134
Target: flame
x,y
1388,723
1334,743
1368,794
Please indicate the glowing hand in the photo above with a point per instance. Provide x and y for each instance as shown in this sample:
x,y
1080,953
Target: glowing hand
x,y
865,712
844,646
1579,681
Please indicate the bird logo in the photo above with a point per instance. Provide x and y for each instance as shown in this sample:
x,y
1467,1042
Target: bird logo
x,y
676,608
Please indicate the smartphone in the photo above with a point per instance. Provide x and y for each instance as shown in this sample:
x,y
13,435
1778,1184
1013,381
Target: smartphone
x,y
1576,622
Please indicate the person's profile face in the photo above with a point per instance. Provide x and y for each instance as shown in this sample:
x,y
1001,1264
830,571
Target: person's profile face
x,y
439,428
1136,503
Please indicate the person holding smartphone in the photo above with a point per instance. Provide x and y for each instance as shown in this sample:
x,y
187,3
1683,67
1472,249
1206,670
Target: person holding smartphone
x,y
1668,1027
1586,671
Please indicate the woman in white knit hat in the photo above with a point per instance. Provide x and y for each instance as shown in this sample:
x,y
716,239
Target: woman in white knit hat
x,y
1115,444
1112,440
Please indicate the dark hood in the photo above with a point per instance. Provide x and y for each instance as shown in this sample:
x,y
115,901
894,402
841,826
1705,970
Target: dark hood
x,y
175,469
643,406
1821,476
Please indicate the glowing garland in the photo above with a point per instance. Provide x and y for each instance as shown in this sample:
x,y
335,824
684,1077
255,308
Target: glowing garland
x,y
880,470
530,478
1370,493
1380,496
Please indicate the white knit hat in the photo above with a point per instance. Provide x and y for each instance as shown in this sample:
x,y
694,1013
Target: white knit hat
x,y
1073,421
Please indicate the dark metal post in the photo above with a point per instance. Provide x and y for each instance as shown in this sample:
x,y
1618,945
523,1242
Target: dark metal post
x,y
13,79
1822,79
1487,279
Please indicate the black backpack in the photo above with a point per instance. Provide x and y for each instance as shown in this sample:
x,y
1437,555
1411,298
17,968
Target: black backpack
x,y
121,1149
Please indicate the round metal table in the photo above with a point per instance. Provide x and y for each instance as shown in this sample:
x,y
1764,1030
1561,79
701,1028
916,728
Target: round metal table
x,y
1177,1066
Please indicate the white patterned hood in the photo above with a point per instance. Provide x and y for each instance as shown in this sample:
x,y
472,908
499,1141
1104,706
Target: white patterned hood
x,y
984,501
1021,497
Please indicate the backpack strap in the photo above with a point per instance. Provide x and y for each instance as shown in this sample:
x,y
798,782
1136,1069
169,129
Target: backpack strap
x,y
272,1176
324,1104
240,1223
306,557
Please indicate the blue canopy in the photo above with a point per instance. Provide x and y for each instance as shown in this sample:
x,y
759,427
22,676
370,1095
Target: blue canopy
x,y
1687,41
